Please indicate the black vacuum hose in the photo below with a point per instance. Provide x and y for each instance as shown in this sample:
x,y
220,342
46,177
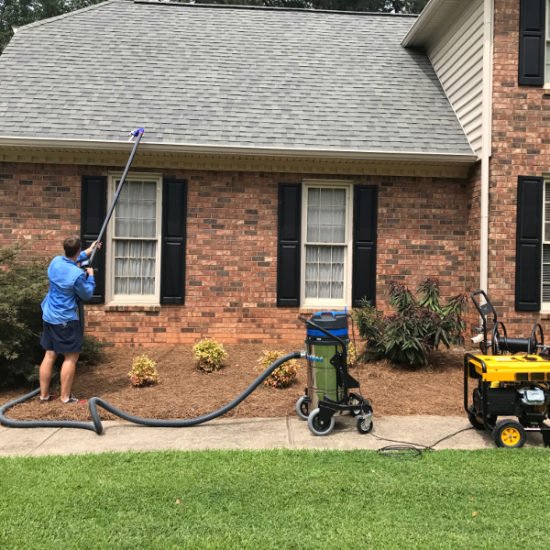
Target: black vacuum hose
x,y
95,402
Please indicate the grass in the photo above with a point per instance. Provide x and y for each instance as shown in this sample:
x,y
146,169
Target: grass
x,y
276,499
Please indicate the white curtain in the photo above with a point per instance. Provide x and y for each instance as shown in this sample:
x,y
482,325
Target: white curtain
x,y
135,239
326,225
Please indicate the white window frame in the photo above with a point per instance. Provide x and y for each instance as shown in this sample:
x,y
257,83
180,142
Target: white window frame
x,y
132,299
348,243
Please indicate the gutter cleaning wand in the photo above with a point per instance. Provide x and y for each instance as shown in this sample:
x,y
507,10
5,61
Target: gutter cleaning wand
x,y
136,134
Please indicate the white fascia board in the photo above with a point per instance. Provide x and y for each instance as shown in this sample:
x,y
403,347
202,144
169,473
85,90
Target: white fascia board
x,y
96,145
421,29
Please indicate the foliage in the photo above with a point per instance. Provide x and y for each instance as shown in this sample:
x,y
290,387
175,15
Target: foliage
x,y
92,351
15,13
144,372
418,326
393,6
23,285
284,375
209,354
352,356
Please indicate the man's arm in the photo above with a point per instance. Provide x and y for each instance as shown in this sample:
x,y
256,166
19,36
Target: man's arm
x,y
84,286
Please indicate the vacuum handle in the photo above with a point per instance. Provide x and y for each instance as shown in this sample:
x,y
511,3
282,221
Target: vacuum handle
x,y
138,134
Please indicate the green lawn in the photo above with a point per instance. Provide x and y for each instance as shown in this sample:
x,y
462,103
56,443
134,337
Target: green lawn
x,y
277,499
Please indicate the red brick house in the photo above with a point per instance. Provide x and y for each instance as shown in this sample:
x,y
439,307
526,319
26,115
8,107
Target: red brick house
x,y
292,160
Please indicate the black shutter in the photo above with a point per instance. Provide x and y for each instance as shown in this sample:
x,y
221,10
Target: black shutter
x,y
529,243
93,210
532,21
288,251
174,224
364,244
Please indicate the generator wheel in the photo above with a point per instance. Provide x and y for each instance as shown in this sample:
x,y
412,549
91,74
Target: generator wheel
x,y
317,425
476,421
302,407
509,434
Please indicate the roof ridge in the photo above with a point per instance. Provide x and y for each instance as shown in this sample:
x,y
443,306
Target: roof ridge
x,y
183,4
63,15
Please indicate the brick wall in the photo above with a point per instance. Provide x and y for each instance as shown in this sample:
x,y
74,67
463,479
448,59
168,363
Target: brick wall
x,y
521,146
232,248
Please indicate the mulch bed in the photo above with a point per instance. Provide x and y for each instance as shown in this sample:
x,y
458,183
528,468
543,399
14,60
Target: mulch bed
x,y
185,392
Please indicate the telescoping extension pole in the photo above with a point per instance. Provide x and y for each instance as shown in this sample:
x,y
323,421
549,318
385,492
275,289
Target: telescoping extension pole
x,y
136,134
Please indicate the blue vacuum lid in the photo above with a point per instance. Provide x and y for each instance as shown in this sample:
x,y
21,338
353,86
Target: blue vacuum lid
x,y
335,322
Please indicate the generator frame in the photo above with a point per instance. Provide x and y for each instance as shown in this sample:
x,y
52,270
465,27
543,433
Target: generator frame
x,y
501,379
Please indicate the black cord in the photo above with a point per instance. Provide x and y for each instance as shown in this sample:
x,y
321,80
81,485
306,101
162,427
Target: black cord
x,y
415,450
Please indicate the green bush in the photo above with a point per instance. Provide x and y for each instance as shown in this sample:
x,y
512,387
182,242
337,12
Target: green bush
x,y
284,375
418,326
23,285
209,355
144,372
92,351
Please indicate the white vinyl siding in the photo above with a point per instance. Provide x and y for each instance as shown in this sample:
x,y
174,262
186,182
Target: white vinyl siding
x,y
326,253
457,57
133,273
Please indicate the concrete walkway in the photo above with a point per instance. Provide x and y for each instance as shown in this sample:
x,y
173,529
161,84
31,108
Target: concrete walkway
x,y
254,433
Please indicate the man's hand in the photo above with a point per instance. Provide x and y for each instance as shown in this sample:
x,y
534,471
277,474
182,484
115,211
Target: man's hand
x,y
89,271
90,249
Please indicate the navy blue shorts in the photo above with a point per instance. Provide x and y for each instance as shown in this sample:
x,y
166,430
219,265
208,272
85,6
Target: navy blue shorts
x,y
64,338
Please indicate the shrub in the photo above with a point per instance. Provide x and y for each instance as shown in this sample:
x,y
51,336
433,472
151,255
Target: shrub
x,y
352,355
23,285
284,375
418,326
144,372
92,351
209,355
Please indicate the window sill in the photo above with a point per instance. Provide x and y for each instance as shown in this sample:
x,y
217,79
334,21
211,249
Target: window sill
x,y
129,308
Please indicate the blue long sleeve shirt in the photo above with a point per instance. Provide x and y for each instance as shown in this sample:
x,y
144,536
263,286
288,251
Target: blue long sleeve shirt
x,y
68,284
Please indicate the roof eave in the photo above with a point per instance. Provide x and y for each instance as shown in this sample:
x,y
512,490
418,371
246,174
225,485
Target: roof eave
x,y
103,145
420,30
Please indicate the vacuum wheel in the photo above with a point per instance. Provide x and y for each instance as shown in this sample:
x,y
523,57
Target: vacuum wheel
x,y
509,434
356,404
318,426
364,424
302,407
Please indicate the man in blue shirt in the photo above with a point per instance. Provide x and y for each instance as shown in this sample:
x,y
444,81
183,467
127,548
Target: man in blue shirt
x,y
62,333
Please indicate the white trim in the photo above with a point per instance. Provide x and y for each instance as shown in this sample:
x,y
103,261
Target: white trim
x,y
324,302
133,300
486,143
195,148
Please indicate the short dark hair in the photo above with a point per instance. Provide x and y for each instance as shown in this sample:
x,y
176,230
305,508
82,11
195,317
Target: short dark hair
x,y
72,246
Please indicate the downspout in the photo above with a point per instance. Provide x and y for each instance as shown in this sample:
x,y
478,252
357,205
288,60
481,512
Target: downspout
x,y
487,115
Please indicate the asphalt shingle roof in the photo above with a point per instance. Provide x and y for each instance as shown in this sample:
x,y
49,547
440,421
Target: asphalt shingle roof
x,y
226,76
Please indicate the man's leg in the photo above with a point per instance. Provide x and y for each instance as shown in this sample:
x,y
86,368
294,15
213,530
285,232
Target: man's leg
x,y
46,371
68,371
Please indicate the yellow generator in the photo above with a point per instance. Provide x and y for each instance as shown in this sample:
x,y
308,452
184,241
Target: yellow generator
x,y
508,386
512,396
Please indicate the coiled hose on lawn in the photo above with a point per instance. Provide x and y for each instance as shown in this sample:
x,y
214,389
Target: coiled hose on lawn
x,y
95,402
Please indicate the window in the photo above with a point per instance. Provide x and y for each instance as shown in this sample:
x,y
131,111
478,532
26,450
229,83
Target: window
x,y
133,273
546,248
326,234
